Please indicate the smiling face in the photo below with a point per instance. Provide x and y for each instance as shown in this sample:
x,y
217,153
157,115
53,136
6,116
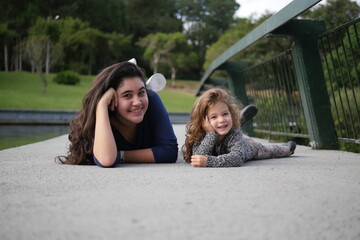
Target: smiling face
x,y
220,118
132,101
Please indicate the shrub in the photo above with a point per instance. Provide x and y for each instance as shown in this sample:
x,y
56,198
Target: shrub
x,y
67,78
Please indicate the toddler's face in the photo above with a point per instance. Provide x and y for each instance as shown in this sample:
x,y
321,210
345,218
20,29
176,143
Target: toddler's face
x,y
220,118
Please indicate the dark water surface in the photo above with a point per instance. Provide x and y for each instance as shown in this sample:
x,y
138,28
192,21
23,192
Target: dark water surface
x,y
17,135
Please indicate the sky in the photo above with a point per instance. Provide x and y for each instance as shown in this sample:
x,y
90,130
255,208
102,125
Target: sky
x,y
258,7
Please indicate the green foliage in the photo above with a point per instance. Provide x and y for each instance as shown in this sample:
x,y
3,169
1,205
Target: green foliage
x,y
169,49
87,35
335,12
67,78
155,48
262,50
35,50
345,105
282,113
340,58
146,17
230,37
6,34
107,17
206,21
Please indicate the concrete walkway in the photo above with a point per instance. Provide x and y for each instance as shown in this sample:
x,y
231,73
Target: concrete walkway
x,y
311,195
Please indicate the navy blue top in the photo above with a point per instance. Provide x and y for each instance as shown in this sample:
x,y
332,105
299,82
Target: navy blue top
x,y
155,132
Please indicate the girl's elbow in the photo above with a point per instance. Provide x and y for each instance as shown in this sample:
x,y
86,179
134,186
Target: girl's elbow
x,y
105,161
174,155
169,155
108,164
173,158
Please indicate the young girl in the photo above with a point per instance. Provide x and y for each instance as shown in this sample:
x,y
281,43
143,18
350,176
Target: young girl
x,y
121,121
213,138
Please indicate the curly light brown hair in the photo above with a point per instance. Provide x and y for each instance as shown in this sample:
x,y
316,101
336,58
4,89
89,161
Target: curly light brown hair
x,y
194,131
82,127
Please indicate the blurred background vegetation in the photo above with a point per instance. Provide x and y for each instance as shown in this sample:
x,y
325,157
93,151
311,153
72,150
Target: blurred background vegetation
x,y
179,38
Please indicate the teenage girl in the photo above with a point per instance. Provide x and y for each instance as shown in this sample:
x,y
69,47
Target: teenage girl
x,y
121,121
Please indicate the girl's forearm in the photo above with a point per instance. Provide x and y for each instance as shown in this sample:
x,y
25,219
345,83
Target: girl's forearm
x,y
104,148
139,156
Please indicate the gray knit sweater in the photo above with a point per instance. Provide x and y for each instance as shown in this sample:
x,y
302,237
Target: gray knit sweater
x,y
232,150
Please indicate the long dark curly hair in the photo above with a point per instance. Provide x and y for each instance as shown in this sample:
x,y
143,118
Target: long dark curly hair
x,y
82,127
194,131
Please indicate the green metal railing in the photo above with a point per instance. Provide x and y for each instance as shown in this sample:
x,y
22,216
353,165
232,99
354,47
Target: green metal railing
x,y
272,87
290,11
340,54
310,91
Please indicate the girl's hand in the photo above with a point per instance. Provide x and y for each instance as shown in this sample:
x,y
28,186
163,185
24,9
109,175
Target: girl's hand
x,y
109,99
206,126
198,160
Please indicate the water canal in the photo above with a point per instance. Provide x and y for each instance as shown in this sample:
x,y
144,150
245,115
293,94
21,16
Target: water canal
x,y
18,135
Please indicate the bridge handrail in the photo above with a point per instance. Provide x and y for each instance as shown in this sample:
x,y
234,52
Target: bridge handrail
x,y
290,11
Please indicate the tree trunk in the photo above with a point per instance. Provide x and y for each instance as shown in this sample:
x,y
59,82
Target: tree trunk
x,y
17,56
6,62
90,63
20,59
42,78
173,76
156,62
16,61
47,61
32,67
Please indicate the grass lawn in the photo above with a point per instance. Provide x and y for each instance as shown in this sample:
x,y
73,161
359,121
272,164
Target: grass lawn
x,y
22,90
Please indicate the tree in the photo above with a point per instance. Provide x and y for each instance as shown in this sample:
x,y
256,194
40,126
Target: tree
x,y
72,38
180,55
6,37
18,16
169,49
146,17
50,28
35,52
335,12
227,39
205,21
120,47
347,55
156,46
262,50
107,16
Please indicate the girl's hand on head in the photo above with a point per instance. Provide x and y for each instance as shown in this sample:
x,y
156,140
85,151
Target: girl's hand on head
x,y
206,126
109,99
198,160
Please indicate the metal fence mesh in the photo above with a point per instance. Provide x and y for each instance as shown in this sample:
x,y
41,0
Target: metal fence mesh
x,y
272,87
340,53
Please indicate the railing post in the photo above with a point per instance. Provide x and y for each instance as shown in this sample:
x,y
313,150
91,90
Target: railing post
x,y
237,88
311,80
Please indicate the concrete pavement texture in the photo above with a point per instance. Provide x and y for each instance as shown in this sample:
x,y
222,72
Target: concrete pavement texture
x,y
314,194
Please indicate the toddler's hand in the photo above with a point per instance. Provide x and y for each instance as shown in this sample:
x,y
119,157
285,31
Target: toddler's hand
x,y
198,160
206,126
